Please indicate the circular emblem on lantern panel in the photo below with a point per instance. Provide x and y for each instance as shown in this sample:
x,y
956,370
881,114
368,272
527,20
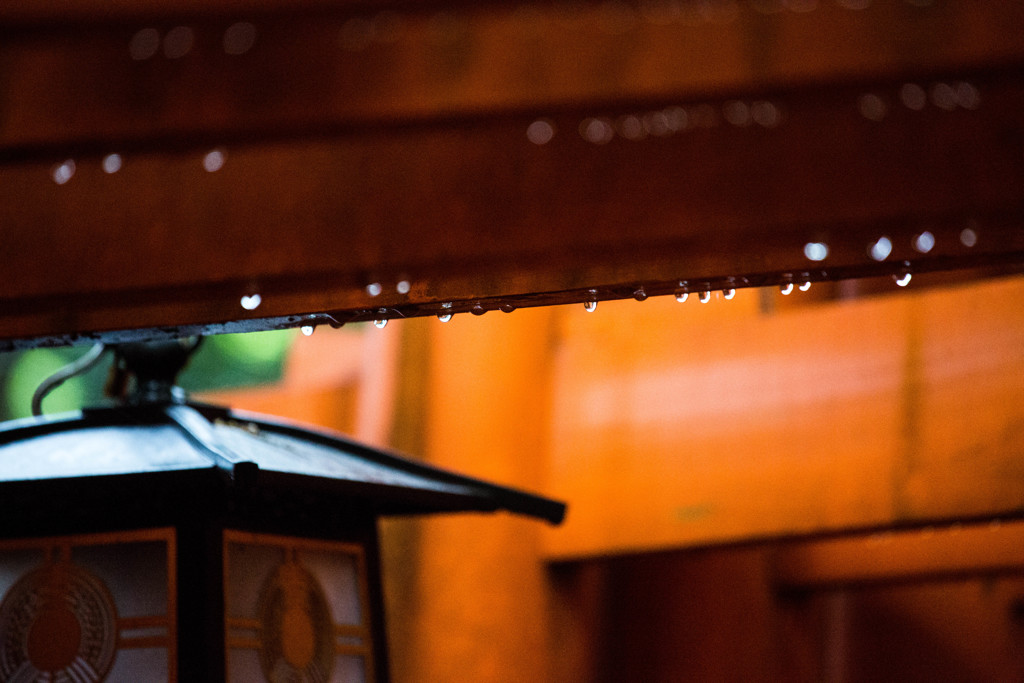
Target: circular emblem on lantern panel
x,y
57,622
297,634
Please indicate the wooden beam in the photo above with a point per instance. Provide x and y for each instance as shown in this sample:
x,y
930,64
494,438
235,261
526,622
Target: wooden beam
x,y
487,158
165,242
930,553
177,73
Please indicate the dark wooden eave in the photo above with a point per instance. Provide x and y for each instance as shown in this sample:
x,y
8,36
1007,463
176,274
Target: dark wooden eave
x,y
384,144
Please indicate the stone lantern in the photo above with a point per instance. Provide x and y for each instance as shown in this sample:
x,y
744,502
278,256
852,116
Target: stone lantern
x,y
165,540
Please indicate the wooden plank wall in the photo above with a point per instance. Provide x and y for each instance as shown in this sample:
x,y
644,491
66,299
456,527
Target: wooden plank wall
x,y
689,424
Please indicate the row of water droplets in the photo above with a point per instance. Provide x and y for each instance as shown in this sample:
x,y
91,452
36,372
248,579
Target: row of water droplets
x,y
948,97
359,33
175,43
660,123
61,173
665,122
879,250
240,37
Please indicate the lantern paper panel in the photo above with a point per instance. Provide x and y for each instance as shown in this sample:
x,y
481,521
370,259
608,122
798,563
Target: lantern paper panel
x,y
296,609
89,608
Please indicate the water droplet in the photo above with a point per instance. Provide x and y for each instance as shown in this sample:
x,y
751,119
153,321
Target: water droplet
x,y
805,286
478,309
737,113
590,306
705,296
61,173
913,96
816,251
872,107
307,330
239,38
374,289
728,293
968,237
380,324
786,288
444,317
676,118
111,163
403,287
881,249
640,294
765,114
540,132
213,161
967,95
178,42
251,302
944,96
924,242
507,308
631,127
597,130
656,123
902,279
682,295
144,44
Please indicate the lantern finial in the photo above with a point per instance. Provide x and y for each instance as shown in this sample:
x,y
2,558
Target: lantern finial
x,y
155,366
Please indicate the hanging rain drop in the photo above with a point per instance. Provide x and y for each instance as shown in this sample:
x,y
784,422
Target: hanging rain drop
x,y
786,288
640,294
805,286
682,295
924,242
380,324
881,249
728,293
705,296
307,330
62,173
590,306
902,279
444,317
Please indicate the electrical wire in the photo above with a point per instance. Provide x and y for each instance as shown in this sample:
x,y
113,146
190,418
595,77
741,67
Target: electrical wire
x,y
83,364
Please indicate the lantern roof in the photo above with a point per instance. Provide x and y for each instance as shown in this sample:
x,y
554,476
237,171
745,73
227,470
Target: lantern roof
x,y
244,451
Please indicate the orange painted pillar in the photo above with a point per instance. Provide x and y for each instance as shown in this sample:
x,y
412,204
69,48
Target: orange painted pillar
x,y
469,593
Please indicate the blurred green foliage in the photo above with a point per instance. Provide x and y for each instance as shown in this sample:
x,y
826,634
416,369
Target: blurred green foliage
x,y
222,362
231,361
